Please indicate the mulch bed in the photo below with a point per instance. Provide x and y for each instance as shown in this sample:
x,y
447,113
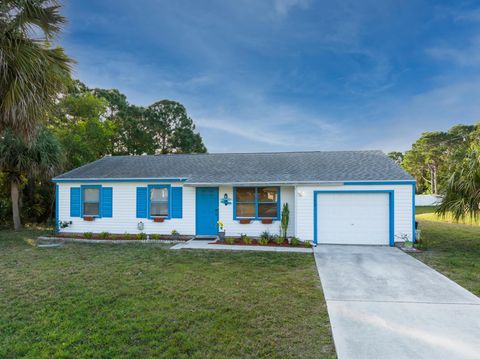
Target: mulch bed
x,y
239,242
119,237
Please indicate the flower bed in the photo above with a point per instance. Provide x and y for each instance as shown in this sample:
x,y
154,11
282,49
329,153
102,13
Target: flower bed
x,y
122,237
238,241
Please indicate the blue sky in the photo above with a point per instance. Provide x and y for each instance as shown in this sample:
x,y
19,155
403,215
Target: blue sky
x,y
288,75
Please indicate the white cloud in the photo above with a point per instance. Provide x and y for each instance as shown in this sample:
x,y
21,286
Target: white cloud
x,y
466,56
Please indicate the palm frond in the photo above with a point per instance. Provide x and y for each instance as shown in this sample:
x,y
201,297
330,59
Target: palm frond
x,y
32,74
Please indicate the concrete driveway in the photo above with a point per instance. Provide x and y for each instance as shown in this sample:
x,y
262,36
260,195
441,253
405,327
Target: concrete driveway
x,y
383,303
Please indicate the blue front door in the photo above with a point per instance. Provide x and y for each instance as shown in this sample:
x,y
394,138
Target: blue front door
x,y
206,211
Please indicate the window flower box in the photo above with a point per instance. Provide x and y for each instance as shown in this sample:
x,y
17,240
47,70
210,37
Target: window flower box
x,y
245,221
88,218
158,219
267,220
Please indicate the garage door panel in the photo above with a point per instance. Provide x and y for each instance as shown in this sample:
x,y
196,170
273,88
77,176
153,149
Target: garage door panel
x,y
353,218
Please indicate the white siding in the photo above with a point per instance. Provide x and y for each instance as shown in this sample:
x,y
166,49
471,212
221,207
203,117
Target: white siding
x,y
234,228
124,212
403,207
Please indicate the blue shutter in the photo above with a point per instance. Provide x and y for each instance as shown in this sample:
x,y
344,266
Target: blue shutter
x,y
142,196
107,194
177,199
75,203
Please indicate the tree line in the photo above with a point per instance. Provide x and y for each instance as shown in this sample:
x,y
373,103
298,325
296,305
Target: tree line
x,y
50,123
447,163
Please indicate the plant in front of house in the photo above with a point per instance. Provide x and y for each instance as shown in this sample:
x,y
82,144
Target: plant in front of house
x,y
229,240
155,236
295,241
307,244
104,235
265,237
278,239
88,235
285,218
221,231
247,240
141,236
175,234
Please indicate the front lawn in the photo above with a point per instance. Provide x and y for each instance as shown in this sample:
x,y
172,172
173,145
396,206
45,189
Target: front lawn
x,y
427,213
454,250
90,300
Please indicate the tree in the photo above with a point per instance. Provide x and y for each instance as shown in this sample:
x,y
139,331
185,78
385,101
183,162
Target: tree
x,y
423,161
171,128
462,195
397,157
32,73
43,157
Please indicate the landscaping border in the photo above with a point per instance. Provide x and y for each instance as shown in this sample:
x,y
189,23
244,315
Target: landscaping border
x,y
113,241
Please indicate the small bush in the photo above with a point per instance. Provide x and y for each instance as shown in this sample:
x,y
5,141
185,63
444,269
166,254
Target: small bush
x,y
295,241
263,240
141,236
174,233
246,239
155,236
126,235
104,235
88,235
265,236
307,244
278,239
229,240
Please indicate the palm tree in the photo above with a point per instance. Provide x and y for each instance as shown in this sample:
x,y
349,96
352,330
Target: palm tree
x,y
32,73
462,195
18,159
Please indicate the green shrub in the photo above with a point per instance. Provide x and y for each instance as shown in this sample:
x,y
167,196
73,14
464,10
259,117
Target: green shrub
x,y
266,237
229,240
294,241
104,235
263,240
155,236
246,239
127,235
307,244
285,218
141,236
174,233
278,239
88,235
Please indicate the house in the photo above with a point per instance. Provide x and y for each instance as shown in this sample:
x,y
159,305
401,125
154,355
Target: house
x,y
340,197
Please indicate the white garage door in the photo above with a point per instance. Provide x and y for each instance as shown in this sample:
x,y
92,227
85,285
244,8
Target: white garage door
x,y
353,218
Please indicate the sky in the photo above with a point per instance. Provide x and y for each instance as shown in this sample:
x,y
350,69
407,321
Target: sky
x,y
288,75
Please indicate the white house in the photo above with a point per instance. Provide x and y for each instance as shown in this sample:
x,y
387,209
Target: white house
x,y
338,197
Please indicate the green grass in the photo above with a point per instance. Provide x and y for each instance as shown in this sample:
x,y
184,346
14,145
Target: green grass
x,y
454,250
427,213
86,300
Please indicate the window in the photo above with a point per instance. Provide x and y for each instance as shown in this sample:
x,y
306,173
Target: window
x,y
91,201
256,202
158,202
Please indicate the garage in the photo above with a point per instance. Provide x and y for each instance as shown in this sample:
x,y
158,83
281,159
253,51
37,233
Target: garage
x,y
354,217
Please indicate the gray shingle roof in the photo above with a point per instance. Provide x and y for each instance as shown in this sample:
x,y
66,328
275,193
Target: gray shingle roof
x,y
247,167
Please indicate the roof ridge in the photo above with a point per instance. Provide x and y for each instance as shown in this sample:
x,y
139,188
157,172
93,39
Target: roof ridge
x,y
247,153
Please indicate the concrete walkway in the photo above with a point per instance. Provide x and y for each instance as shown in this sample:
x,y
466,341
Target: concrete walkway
x,y
207,244
383,303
